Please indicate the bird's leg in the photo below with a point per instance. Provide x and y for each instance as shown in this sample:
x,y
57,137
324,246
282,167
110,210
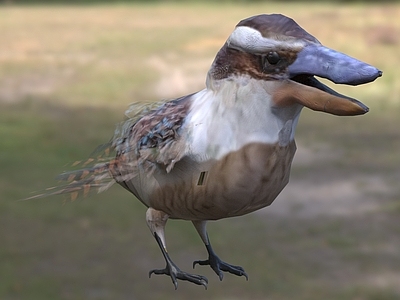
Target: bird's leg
x,y
156,221
213,260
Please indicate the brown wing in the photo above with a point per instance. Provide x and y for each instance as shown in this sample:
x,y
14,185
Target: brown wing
x,y
154,141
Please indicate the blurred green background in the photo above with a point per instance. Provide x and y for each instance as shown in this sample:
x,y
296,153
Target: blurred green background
x,y
67,73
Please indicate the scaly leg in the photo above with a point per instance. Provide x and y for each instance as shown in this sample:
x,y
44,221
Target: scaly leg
x,y
156,221
213,260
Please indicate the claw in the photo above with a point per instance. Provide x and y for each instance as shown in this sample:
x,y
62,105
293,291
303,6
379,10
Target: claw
x,y
166,272
175,273
220,266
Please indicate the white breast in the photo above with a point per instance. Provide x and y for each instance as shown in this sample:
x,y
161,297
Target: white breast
x,y
234,114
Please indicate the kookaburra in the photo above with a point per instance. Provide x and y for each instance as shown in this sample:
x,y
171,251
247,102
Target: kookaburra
x,y
226,150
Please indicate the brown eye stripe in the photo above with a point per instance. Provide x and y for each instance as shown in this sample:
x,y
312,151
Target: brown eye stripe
x,y
235,62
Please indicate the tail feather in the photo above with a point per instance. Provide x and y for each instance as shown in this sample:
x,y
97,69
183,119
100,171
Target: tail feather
x,y
80,183
109,163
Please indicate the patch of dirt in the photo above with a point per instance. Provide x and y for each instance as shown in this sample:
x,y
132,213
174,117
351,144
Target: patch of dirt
x,y
177,78
384,280
16,88
320,192
308,197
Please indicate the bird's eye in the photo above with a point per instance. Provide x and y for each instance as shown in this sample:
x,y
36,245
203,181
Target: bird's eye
x,y
273,58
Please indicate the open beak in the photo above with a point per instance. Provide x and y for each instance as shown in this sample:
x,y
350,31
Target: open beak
x,y
305,89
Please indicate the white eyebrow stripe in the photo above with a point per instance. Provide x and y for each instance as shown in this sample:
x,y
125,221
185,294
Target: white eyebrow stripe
x,y
250,39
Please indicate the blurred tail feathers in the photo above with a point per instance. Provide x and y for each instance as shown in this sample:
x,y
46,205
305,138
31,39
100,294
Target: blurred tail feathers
x,y
94,175
115,161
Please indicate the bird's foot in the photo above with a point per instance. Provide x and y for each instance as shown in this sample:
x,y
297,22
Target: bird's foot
x,y
175,273
218,266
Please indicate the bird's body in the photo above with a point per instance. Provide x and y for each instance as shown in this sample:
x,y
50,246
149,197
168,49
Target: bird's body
x,y
226,150
257,172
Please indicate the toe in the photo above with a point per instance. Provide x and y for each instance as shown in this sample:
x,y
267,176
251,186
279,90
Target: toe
x,y
201,263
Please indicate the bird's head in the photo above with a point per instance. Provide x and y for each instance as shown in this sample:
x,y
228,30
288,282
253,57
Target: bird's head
x,y
276,49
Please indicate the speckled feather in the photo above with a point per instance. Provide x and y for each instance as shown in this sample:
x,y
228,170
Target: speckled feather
x,y
152,141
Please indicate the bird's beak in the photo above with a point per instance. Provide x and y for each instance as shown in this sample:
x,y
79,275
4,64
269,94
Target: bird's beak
x,y
340,68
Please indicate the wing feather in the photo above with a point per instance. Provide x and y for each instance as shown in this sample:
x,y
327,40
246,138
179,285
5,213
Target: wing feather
x,y
149,138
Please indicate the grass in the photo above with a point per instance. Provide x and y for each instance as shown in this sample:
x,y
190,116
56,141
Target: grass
x,y
66,75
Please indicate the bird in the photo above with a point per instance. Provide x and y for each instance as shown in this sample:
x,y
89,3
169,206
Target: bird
x,y
226,150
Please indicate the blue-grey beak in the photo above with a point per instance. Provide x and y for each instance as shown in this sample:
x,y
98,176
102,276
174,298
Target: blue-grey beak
x,y
338,67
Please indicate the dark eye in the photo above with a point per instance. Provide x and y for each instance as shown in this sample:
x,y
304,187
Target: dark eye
x,y
273,58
